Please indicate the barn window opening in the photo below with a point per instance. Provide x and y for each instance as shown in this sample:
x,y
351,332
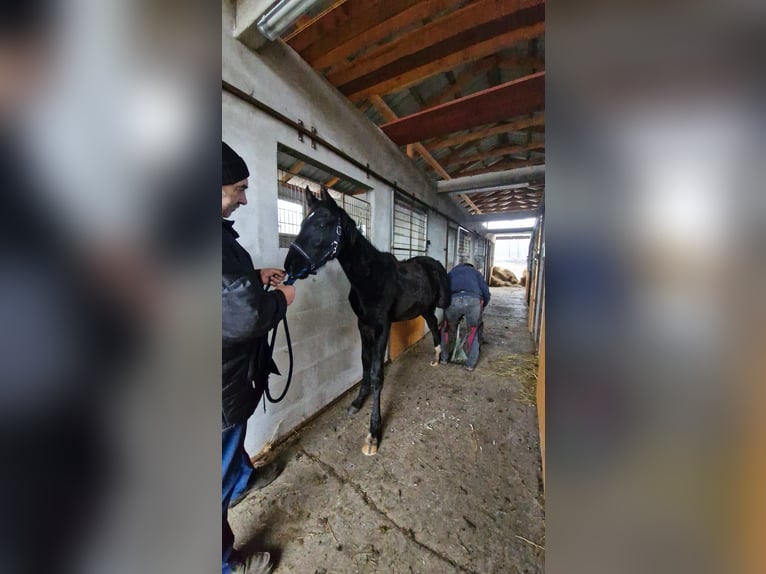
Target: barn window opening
x,y
296,172
511,223
511,252
480,255
464,246
410,225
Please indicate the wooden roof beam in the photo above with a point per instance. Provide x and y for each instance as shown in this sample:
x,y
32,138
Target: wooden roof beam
x,y
520,62
522,96
466,20
466,77
327,23
496,152
372,26
373,76
513,126
292,171
388,113
304,22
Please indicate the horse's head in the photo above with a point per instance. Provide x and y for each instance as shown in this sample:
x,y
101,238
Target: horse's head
x,y
320,237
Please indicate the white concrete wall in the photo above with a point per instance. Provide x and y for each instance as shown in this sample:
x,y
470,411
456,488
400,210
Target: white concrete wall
x,y
322,326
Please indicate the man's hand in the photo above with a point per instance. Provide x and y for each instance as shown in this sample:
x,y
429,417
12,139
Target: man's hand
x,y
272,276
289,292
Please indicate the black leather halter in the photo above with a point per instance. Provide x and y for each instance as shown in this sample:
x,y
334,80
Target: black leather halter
x,y
311,265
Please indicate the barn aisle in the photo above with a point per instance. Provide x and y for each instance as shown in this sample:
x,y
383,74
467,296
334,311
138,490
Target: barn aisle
x,y
456,486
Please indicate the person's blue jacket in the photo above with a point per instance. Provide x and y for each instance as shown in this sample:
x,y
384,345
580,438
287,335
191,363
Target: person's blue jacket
x,y
464,277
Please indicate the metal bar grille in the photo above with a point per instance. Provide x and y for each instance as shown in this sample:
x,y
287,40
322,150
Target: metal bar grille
x,y
463,246
409,231
290,212
480,254
291,209
451,247
358,210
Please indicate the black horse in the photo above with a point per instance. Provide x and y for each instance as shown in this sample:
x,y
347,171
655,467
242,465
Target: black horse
x,y
383,290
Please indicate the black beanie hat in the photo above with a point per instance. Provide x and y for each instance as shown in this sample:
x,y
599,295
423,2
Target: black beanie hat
x,y
234,167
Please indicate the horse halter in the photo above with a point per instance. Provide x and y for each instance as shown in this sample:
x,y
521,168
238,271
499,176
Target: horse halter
x,y
313,264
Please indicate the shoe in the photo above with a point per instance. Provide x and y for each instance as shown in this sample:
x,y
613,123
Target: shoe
x,y
260,478
256,563
467,368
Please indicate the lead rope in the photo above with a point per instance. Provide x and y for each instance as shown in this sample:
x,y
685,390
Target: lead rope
x,y
290,355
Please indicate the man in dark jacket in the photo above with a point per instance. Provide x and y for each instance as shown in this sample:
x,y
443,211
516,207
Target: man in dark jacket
x,y
469,296
249,312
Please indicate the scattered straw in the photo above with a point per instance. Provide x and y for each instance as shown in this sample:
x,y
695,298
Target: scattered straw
x,y
530,542
521,368
476,446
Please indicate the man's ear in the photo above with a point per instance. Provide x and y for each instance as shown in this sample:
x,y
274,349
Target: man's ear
x,y
311,199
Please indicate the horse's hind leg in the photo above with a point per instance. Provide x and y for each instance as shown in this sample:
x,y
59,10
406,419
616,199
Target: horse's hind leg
x,y
364,389
433,325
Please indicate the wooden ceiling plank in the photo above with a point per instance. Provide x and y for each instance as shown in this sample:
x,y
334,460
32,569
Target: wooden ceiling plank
x,y
520,62
331,182
522,96
328,22
292,171
496,152
489,131
463,21
369,29
465,78
364,107
457,151
406,72
471,203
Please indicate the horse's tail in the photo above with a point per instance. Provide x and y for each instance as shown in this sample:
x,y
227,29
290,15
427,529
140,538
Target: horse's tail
x,y
442,280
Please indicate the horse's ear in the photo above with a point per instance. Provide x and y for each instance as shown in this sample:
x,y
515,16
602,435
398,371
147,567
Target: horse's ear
x,y
324,195
311,199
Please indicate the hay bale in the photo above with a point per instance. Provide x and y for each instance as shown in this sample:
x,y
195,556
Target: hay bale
x,y
523,280
501,277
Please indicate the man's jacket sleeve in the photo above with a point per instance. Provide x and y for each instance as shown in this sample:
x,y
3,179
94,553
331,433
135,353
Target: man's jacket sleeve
x,y
249,311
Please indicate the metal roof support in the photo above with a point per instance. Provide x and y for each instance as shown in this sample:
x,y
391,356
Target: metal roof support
x,y
492,180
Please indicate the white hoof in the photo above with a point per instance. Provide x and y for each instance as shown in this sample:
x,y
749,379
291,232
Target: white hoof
x,y
370,446
437,352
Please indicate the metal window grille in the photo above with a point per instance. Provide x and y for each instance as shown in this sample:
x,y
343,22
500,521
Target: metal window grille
x,y
463,246
291,210
409,237
480,254
357,209
451,247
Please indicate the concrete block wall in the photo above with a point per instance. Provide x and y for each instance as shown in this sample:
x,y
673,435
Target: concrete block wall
x,y
323,328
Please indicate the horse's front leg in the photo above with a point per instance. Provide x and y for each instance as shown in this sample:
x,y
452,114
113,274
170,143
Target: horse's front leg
x,y
372,441
433,326
368,339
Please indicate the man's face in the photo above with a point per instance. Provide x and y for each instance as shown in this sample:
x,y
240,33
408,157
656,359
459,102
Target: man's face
x,y
232,196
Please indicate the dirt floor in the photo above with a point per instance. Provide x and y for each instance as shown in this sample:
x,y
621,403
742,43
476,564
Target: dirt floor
x,y
455,487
